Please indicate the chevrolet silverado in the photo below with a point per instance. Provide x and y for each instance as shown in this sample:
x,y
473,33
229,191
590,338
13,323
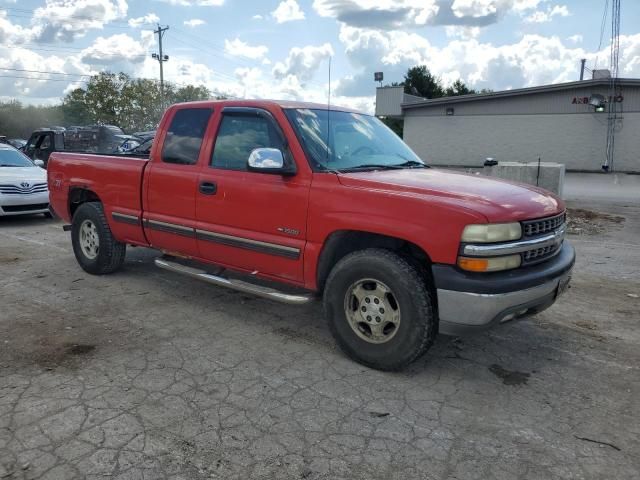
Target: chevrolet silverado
x,y
296,201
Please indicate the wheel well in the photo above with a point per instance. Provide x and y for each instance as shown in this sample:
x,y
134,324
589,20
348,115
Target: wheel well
x,y
78,196
339,244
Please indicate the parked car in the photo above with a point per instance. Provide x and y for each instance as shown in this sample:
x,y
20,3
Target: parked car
x,y
23,185
305,202
93,138
132,145
18,143
141,149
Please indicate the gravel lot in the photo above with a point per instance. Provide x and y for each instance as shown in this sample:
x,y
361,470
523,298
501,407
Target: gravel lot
x,y
144,374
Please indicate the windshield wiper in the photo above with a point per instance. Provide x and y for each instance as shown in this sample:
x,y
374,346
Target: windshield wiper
x,y
374,166
411,164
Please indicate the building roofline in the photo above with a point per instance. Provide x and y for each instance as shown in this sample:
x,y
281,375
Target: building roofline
x,y
631,82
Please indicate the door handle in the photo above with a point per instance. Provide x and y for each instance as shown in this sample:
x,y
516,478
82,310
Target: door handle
x,y
208,188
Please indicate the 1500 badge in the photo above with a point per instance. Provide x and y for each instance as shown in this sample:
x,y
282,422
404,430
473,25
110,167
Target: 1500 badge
x,y
288,231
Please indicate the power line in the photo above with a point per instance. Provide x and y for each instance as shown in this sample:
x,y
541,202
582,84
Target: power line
x,y
45,72
602,26
218,54
44,79
612,117
66,17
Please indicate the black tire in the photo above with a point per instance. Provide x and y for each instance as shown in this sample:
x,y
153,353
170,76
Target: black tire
x,y
110,253
418,323
48,214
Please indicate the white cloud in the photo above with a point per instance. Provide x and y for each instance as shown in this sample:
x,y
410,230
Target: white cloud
x,y
237,47
533,60
543,16
474,8
257,17
65,20
36,87
147,19
117,49
461,31
575,39
404,14
384,14
287,11
190,3
303,62
12,33
194,22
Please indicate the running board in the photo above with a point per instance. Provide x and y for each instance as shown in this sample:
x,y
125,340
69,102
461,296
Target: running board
x,y
241,286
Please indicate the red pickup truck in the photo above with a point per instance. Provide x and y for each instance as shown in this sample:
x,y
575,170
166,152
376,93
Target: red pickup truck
x,y
294,201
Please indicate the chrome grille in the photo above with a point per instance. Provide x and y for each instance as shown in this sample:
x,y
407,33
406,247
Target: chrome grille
x,y
532,228
539,254
23,190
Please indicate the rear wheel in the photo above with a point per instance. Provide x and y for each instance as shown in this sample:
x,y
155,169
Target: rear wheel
x,y
95,249
379,309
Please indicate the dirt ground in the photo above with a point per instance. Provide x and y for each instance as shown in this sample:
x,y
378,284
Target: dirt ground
x,y
148,375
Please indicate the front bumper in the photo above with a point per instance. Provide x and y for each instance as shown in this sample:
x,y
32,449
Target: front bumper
x,y
469,302
24,204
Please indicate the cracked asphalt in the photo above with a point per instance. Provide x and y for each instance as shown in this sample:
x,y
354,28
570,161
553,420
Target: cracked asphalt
x,y
147,375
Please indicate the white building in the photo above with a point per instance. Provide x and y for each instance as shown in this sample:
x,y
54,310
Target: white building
x,y
554,122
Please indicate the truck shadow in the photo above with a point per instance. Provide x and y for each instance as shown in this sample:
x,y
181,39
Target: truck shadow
x,y
300,328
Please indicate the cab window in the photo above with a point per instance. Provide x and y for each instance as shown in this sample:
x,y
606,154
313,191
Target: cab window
x,y
184,136
45,144
238,136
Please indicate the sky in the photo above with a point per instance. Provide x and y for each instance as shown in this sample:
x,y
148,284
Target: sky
x,y
282,48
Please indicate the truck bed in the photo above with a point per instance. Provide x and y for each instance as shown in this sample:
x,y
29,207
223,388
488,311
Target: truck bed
x,y
115,179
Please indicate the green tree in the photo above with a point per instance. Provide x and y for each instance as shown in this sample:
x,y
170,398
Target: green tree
x,y
458,88
74,110
191,93
18,120
421,82
132,104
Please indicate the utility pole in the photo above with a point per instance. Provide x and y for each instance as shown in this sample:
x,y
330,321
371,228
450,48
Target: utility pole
x,y
582,62
161,57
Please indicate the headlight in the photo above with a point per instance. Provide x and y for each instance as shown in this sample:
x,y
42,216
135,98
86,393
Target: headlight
x,y
490,233
491,264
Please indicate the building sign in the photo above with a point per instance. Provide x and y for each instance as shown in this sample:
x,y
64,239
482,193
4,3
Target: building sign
x,y
585,100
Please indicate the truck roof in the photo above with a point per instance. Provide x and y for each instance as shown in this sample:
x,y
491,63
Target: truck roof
x,y
271,103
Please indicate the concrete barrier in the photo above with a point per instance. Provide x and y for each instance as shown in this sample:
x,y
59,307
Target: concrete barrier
x,y
547,175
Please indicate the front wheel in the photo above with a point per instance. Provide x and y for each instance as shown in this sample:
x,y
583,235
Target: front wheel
x,y
379,309
95,249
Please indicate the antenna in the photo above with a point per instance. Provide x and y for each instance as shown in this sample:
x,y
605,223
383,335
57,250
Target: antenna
x,y
329,111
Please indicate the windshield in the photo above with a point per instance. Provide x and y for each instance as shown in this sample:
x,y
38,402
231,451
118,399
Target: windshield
x,y
356,141
13,158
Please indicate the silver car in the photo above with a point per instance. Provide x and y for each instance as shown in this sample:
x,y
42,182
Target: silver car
x,y
23,184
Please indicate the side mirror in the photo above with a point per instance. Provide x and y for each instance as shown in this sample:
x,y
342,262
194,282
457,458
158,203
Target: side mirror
x,y
268,160
39,163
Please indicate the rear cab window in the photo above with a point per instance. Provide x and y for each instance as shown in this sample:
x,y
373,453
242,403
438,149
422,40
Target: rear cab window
x,y
184,137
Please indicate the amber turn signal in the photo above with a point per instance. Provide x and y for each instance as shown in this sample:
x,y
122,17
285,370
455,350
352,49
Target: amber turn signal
x,y
494,264
473,264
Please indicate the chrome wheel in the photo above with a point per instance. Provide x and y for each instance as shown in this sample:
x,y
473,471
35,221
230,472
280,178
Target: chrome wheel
x,y
89,240
372,310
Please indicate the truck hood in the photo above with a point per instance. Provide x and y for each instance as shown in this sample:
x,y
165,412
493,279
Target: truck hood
x,y
15,175
497,200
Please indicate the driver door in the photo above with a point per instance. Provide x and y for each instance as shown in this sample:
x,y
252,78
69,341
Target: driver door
x,y
251,220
